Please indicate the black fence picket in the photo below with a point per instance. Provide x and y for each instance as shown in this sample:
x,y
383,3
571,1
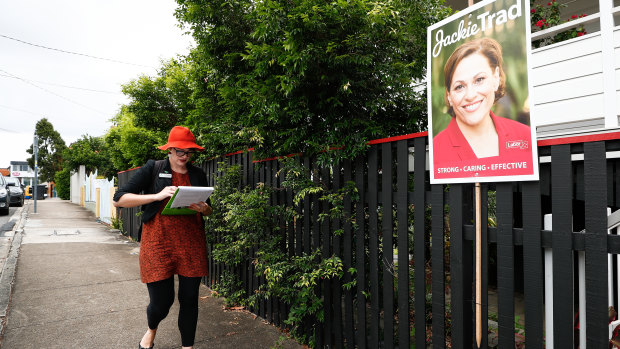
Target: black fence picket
x,y
347,230
360,252
505,266
596,244
411,247
387,233
337,251
562,208
419,245
437,260
459,303
373,244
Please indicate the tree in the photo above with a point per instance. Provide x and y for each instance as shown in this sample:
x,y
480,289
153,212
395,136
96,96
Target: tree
x,y
162,102
307,75
92,152
50,150
129,145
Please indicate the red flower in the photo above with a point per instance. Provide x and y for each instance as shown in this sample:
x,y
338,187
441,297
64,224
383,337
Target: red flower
x,y
548,4
580,34
533,10
540,23
574,16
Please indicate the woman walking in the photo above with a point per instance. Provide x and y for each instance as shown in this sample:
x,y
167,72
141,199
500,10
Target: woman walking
x,y
170,244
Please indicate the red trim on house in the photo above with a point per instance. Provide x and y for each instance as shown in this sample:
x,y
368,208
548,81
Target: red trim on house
x,y
131,169
235,153
277,157
579,139
399,138
541,143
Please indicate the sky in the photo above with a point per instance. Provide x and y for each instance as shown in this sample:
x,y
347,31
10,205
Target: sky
x,y
77,94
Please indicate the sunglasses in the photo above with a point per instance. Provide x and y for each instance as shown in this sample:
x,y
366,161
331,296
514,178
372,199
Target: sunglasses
x,y
181,152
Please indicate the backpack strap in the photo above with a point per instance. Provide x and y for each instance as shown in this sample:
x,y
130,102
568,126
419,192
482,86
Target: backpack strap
x,y
159,165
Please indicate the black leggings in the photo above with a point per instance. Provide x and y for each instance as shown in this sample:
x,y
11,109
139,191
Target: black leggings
x,y
161,294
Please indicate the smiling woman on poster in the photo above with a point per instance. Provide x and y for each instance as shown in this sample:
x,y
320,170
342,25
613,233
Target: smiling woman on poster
x,y
477,142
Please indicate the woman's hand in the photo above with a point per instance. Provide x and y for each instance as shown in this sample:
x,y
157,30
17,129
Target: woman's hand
x,y
201,207
134,200
166,193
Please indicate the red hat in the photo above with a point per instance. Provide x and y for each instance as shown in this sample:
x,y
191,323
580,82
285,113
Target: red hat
x,y
182,138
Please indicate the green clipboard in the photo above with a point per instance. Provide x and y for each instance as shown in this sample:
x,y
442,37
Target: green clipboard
x,y
183,197
176,211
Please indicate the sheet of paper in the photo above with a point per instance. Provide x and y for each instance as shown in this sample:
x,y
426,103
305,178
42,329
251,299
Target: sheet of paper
x,y
186,196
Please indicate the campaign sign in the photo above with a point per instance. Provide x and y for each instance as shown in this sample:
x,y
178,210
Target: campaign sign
x,y
480,129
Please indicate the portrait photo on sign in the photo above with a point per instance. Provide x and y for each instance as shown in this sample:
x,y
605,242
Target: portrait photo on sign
x,y
480,127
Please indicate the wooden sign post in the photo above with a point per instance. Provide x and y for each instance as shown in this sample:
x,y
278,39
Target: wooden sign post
x,y
478,266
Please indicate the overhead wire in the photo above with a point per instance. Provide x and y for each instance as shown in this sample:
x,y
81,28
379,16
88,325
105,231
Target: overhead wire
x,y
20,110
74,53
53,93
59,85
7,130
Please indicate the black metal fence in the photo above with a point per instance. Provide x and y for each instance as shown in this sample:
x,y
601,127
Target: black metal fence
x,y
402,220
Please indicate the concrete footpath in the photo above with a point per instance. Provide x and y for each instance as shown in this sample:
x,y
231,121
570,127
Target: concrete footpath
x,y
74,283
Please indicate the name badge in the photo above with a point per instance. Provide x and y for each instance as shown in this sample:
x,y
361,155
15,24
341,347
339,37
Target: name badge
x,y
165,175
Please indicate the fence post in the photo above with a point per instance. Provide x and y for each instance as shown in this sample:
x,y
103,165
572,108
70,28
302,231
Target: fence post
x,y
82,196
111,197
562,244
533,278
98,203
595,190
549,286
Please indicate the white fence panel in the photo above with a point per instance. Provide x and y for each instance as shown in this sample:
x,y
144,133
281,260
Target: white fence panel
x,y
90,192
77,182
105,203
75,188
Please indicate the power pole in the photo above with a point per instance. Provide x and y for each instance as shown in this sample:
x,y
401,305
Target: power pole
x,y
35,147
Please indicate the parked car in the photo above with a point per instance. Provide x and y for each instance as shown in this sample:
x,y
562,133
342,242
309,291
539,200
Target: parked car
x,y
16,191
4,196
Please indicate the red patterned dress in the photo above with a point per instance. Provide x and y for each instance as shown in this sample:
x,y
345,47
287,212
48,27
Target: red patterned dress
x,y
173,244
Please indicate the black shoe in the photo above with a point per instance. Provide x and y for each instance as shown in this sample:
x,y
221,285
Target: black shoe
x,y
141,347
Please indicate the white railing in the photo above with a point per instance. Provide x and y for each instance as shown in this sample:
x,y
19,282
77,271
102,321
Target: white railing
x,y
541,34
